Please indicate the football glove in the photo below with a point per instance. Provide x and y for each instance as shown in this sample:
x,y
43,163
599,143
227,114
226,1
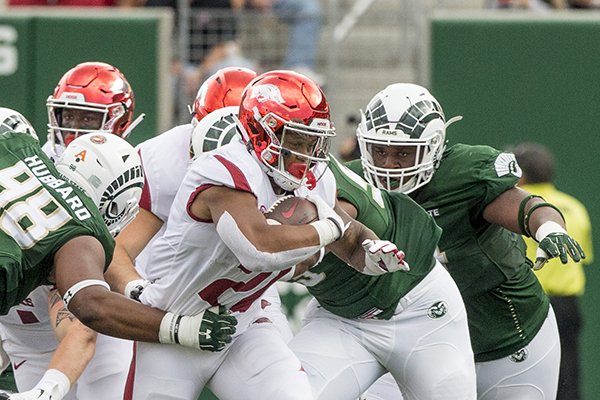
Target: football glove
x,y
134,288
554,242
382,256
208,331
54,385
330,225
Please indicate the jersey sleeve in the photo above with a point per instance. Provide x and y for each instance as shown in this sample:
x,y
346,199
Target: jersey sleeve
x,y
497,171
366,199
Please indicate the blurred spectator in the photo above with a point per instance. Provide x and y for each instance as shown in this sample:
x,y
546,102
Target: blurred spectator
x,y
536,5
563,283
213,45
303,19
69,3
543,4
349,147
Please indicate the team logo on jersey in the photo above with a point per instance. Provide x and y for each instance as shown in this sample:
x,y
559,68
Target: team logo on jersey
x,y
506,164
519,355
437,310
267,92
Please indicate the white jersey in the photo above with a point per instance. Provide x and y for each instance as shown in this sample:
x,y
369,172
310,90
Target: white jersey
x,y
20,328
192,269
165,159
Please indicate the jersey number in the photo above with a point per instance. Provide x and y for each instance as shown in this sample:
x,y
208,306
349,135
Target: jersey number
x,y
212,292
30,217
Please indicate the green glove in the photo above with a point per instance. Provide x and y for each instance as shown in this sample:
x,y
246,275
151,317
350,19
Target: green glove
x,y
216,330
557,244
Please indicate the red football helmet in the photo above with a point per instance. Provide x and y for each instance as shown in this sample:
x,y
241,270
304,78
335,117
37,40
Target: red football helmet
x,y
280,103
222,89
90,87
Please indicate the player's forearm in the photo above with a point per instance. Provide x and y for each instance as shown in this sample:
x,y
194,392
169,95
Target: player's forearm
x,y
347,248
74,351
115,315
121,271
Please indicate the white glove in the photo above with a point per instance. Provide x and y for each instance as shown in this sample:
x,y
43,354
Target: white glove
x,y
330,225
134,288
54,385
382,256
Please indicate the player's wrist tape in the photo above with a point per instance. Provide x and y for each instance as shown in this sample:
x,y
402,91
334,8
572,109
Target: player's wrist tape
x,y
54,382
328,230
547,228
180,329
68,296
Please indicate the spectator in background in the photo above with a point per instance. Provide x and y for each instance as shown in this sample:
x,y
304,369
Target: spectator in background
x,y
304,19
563,283
213,45
540,5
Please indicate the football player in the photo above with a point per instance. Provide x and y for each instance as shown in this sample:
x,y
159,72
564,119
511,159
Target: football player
x,y
56,227
360,327
471,193
366,325
92,96
219,96
219,250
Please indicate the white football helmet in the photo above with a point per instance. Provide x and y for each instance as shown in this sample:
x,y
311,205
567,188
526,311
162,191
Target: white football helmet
x,y
14,121
109,170
215,130
403,114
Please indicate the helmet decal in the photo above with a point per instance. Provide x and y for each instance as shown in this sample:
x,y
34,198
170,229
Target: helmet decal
x,y
280,112
264,93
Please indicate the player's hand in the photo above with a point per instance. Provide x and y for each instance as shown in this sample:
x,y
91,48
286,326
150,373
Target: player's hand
x,y
382,256
134,288
33,394
330,225
216,330
54,385
557,244
209,331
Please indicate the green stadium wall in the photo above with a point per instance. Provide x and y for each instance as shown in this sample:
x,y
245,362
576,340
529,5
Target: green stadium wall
x,y
37,46
528,77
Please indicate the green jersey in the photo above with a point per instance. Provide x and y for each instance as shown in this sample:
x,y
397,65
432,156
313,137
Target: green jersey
x,y
392,216
39,213
505,303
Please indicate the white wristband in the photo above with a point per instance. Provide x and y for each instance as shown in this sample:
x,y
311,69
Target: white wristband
x,y
547,228
82,285
180,329
328,231
55,383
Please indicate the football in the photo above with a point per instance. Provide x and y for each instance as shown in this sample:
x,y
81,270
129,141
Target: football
x,y
291,210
